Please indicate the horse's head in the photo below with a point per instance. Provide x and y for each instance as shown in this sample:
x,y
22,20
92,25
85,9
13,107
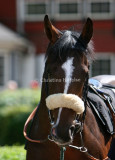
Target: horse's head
x,y
65,76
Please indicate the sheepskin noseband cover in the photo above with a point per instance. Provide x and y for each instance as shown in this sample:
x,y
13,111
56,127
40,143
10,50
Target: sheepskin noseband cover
x,y
70,101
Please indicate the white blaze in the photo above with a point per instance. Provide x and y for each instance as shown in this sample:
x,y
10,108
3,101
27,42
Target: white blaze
x,y
64,100
68,68
58,118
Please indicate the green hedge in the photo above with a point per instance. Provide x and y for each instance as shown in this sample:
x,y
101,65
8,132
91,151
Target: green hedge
x,y
15,107
19,97
12,153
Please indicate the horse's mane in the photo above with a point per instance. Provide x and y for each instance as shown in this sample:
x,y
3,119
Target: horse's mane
x,y
69,42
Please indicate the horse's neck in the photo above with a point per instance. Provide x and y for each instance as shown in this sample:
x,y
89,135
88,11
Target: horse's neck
x,y
95,138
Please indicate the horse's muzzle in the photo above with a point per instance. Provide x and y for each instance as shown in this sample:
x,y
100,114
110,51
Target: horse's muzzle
x,y
62,133
62,140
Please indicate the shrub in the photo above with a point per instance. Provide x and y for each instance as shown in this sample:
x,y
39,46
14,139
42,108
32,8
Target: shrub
x,y
12,153
13,115
19,97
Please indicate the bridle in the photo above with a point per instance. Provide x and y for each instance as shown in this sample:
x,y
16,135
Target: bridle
x,y
79,125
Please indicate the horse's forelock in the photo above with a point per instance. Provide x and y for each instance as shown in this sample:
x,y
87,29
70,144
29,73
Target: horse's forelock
x,y
69,42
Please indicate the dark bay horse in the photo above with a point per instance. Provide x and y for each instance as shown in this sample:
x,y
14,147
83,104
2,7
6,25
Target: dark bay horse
x,y
62,119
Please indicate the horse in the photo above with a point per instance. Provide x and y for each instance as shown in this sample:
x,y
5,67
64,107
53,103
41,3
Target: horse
x,y
64,126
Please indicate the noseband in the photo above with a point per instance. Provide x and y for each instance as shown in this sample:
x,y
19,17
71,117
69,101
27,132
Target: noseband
x,y
70,101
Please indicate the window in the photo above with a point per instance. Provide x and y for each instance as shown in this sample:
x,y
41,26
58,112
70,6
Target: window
x,y
100,7
101,67
68,8
33,9
1,71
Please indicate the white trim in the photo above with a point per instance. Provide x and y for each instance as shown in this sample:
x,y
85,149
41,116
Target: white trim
x,y
35,17
5,54
103,15
70,16
20,15
84,10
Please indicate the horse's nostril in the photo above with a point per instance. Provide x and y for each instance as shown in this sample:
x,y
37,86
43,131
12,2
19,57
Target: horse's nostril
x,y
53,133
71,130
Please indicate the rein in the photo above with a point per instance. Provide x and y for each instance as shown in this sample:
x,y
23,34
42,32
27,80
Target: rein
x,y
31,116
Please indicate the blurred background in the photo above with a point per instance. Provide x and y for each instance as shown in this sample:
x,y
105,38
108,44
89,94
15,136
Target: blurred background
x,y
23,42
22,49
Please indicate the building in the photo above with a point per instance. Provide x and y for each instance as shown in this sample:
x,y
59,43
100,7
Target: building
x,y
16,55
26,17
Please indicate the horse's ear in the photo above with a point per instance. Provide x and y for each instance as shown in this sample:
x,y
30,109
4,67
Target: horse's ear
x,y
52,33
87,31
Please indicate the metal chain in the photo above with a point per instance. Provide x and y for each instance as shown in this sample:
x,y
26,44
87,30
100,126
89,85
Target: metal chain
x,y
84,149
62,151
